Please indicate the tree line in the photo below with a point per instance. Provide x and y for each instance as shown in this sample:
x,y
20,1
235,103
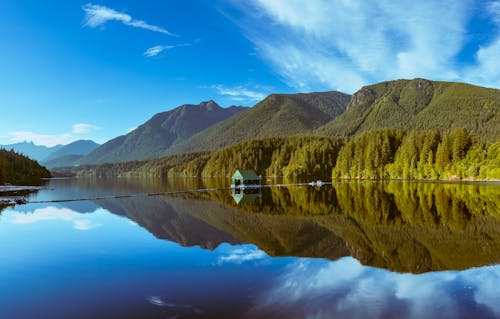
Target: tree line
x,y
380,154
18,169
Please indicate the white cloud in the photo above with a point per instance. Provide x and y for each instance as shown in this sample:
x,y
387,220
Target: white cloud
x,y
484,72
239,93
241,255
42,139
494,9
154,51
53,139
97,15
342,45
52,213
85,224
82,128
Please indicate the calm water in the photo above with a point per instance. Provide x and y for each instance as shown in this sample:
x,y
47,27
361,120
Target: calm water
x,y
361,250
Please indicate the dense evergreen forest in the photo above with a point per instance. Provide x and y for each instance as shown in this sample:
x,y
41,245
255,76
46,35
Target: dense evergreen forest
x,y
418,155
382,154
18,169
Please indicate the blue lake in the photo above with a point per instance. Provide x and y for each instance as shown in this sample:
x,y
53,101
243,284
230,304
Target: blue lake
x,y
360,250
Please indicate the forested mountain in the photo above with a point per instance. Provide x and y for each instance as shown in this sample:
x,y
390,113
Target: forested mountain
x,y
420,104
18,169
158,134
276,115
36,152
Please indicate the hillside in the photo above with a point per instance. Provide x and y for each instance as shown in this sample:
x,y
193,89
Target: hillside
x,y
69,154
18,169
63,161
420,104
80,147
158,134
276,115
36,152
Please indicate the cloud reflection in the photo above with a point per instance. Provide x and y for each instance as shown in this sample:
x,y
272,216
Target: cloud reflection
x,y
242,254
345,288
52,213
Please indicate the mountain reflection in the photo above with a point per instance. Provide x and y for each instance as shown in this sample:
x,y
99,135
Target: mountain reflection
x,y
401,226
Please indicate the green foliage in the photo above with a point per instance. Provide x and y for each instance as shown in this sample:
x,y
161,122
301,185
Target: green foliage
x,y
159,167
295,157
367,155
18,169
417,155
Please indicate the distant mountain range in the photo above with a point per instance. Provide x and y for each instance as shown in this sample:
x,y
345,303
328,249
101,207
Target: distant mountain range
x,y
36,152
69,155
162,131
56,156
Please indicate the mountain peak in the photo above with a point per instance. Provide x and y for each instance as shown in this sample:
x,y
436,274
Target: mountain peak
x,y
210,105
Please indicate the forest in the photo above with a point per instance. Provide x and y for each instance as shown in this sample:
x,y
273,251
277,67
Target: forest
x,y
390,154
18,169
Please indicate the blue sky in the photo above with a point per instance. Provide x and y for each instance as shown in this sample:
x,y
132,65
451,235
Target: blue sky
x,y
75,69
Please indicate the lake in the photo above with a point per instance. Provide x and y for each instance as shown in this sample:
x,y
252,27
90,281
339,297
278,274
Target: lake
x,y
348,250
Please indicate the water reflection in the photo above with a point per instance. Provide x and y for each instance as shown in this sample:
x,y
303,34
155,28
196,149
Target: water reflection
x,y
406,227
51,213
245,195
346,289
115,269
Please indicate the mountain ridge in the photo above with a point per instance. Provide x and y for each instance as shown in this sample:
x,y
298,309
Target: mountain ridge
x,y
276,115
420,104
161,131
32,150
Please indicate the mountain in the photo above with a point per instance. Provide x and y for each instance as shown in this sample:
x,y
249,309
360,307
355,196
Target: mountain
x,y
158,134
276,115
36,152
70,154
80,147
420,104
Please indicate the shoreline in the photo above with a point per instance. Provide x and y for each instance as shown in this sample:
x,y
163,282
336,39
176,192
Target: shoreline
x,y
12,195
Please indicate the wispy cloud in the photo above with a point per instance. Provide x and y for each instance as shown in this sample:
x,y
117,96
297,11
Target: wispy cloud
x,y
82,128
239,93
52,213
41,139
493,9
97,15
241,255
53,139
154,51
485,70
343,45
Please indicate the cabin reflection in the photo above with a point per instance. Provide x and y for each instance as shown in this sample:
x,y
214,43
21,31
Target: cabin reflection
x,y
246,195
